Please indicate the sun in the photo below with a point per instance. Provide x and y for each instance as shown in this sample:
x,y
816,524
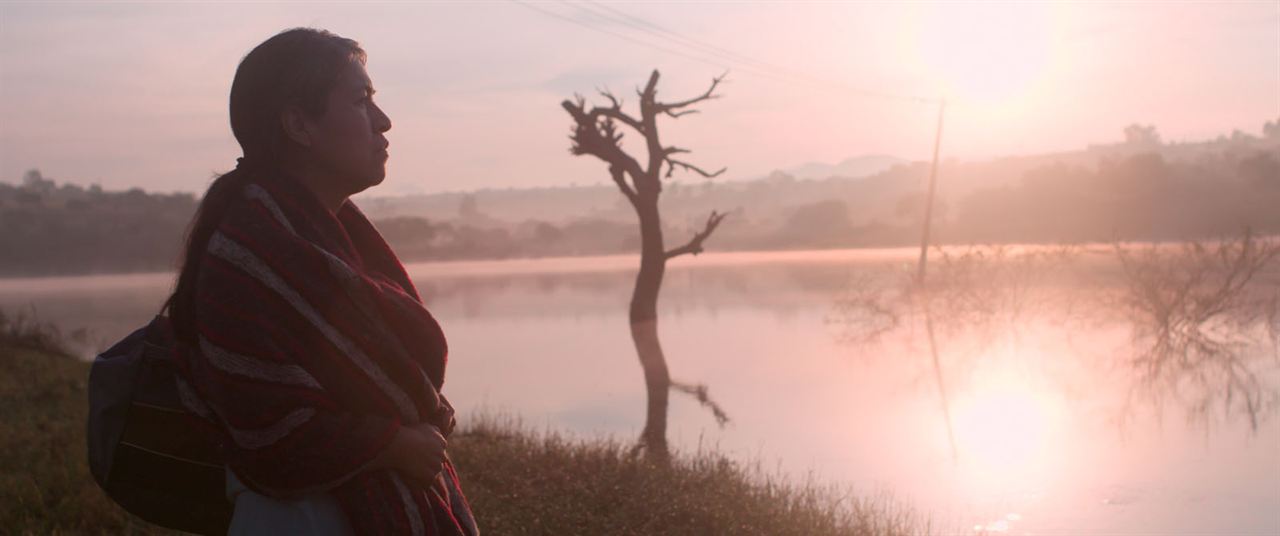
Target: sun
x,y
983,53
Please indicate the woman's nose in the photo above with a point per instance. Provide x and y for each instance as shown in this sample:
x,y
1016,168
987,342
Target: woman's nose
x,y
381,123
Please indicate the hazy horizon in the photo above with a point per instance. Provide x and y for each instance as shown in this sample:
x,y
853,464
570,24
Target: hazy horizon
x,y
128,95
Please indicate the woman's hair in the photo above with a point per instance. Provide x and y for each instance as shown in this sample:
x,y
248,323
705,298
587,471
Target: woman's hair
x,y
295,67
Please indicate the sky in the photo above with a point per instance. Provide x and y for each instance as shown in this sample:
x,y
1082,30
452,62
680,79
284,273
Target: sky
x,y
135,94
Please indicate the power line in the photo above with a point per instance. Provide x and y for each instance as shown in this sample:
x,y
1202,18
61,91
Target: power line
x,y
757,67
643,25
717,57
682,54
646,25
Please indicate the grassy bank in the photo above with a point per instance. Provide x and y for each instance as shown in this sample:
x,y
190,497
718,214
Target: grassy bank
x,y
518,481
525,482
45,487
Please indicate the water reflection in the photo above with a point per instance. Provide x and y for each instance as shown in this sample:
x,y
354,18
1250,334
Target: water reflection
x,y
1203,320
1033,344
1206,321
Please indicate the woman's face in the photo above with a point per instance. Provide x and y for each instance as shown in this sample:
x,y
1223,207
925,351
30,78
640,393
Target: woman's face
x,y
348,140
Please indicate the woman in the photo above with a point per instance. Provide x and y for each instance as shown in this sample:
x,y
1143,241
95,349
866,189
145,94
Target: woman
x,y
302,343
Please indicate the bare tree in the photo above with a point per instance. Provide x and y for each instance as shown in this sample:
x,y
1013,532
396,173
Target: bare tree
x,y
595,133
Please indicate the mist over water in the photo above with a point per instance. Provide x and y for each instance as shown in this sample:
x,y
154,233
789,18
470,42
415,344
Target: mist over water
x,y
1042,415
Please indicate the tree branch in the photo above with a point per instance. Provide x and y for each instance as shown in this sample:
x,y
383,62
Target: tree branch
x,y
614,111
680,113
618,175
668,108
672,163
699,392
695,245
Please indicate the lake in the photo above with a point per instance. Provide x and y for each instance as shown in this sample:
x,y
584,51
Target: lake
x,y
1022,398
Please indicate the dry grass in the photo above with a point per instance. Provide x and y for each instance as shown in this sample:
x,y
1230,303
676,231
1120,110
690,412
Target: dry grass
x,y
519,481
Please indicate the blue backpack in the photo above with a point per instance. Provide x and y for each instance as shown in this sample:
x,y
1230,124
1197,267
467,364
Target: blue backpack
x,y
145,449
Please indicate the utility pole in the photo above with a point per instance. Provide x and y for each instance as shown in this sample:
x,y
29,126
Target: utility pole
x,y
928,207
928,313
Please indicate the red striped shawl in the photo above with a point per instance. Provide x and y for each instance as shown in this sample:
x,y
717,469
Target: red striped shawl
x,y
314,348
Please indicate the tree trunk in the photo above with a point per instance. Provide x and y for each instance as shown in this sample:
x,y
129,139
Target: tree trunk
x,y
644,327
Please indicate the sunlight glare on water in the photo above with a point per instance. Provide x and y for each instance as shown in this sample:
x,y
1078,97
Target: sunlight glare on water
x,y
1006,435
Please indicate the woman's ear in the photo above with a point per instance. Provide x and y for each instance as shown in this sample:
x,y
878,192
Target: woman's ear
x,y
296,126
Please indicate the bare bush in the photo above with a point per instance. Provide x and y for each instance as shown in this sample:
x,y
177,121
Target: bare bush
x,y
983,290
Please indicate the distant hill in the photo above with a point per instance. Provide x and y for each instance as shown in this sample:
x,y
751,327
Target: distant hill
x,y
890,196
852,168
1137,189
565,203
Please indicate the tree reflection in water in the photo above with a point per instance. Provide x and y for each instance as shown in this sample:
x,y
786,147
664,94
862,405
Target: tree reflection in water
x,y
1203,318
1205,324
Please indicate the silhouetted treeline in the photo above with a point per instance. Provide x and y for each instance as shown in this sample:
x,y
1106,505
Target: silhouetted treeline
x,y
1139,189
67,229
422,239
47,229
1137,197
